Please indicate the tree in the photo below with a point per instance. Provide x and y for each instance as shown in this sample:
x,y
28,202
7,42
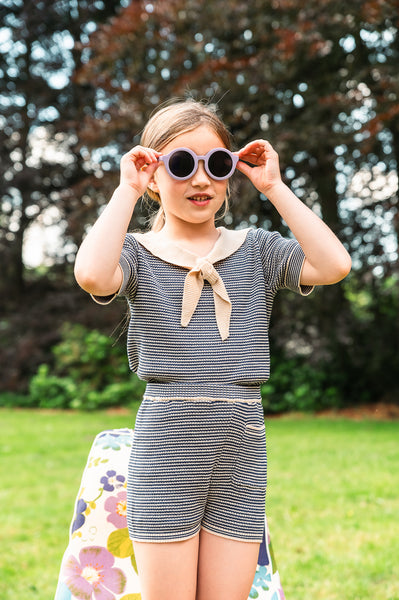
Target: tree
x,y
40,108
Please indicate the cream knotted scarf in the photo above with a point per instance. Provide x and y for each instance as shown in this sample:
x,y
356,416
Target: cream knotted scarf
x,y
200,269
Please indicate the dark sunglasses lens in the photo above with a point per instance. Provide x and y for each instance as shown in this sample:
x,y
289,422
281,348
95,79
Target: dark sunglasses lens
x,y
220,163
181,163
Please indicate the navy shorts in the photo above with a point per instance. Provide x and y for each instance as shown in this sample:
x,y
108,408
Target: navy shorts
x,y
197,463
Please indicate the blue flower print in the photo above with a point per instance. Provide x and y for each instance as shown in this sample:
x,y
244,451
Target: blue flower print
x,y
263,558
114,441
62,592
79,518
111,481
261,581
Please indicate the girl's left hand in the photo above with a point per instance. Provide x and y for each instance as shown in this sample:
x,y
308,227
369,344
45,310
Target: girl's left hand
x,y
266,170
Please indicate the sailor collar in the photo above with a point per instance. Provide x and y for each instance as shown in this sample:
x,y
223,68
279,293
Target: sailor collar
x,y
200,269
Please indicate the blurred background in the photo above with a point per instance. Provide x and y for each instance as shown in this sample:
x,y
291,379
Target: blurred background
x,y
79,79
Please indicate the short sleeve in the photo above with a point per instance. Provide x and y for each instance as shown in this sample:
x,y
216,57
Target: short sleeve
x,y
128,265
282,260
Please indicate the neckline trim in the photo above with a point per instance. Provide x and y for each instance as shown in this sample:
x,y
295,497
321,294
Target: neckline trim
x,y
228,242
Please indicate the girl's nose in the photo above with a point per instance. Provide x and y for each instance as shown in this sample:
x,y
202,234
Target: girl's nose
x,y
200,177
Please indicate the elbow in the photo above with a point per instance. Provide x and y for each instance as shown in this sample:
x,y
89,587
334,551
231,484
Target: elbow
x,y
85,278
97,280
85,275
331,270
346,265
343,267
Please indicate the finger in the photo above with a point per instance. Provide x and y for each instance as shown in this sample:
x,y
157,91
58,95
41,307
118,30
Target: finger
x,y
141,156
143,150
254,158
244,168
150,168
255,148
250,146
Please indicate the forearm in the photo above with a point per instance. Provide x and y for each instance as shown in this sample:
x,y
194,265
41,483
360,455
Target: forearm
x,y
96,265
327,261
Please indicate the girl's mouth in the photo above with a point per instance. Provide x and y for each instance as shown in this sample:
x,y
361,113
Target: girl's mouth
x,y
200,199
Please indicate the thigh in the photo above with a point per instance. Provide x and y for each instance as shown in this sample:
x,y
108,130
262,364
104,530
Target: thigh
x,y
226,568
167,571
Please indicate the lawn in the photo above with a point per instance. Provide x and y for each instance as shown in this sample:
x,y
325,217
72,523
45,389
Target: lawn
x,y
333,501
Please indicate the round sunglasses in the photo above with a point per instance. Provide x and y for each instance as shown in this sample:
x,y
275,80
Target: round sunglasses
x,y
182,163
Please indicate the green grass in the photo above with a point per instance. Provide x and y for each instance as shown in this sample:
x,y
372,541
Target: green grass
x,y
332,503
333,508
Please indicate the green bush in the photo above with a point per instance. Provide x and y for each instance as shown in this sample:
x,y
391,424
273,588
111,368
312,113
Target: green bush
x,y
11,399
114,394
297,386
88,355
51,391
90,372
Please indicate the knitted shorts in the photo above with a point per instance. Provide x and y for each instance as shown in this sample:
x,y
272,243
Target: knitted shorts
x,y
197,463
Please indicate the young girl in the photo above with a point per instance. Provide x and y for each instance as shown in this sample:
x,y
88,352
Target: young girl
x,y
200,298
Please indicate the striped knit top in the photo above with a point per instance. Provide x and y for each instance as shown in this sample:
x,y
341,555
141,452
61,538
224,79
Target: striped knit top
x,y
199,326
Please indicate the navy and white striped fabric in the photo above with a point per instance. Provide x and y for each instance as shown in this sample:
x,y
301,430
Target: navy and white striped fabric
x,y
197,464
164,352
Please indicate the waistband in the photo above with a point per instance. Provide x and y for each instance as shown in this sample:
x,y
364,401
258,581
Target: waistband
x,y
228,392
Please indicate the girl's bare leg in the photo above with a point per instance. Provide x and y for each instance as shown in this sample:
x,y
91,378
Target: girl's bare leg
x,y
167,571
226,568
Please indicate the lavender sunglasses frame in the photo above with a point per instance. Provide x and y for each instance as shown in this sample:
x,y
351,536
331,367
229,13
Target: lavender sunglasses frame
x,y
196,158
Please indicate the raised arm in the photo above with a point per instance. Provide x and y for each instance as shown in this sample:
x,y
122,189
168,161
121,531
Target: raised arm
x,y
326,260
97,262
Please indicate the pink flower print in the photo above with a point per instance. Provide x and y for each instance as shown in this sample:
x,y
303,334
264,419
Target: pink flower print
x,y
116,506
93,576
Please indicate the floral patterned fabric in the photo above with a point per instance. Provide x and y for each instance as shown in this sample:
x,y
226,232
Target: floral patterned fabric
x,y
99,562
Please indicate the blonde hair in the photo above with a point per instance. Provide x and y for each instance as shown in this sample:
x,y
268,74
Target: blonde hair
x,y
172,120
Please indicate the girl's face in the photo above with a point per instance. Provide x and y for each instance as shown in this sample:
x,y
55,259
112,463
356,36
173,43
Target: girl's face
x,y
195,200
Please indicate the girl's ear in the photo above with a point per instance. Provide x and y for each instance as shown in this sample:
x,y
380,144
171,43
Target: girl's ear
x,y
153,186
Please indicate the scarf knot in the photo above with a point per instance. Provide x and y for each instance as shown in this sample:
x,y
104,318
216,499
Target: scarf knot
x,y
193,285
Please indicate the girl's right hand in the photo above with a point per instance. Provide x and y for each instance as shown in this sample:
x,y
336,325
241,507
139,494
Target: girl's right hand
x,y
138,167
